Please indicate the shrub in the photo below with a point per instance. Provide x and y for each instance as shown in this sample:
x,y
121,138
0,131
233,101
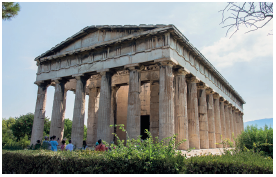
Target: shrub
x,y
238,163
256,140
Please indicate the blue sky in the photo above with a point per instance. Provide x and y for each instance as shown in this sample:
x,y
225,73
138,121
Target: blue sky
x,y
245,60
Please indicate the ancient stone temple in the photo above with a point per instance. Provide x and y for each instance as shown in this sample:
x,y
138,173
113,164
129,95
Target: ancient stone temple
x,y
145,77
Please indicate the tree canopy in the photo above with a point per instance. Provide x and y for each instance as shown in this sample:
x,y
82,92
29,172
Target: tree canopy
x,y
9,10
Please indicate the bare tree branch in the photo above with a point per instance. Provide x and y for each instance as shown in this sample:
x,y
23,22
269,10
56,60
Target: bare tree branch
x,y
249,14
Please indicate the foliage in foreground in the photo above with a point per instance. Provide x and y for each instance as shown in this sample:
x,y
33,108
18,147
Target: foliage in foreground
x,y
137,156
256,140
41,161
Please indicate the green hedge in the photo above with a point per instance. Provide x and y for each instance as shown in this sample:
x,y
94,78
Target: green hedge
x,y
43,161
238,163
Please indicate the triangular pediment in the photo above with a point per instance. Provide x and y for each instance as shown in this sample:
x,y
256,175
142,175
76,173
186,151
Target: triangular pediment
x,y
94,35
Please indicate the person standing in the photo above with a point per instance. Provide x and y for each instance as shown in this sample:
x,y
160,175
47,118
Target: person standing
x,y
63,145
84,145
46,144
54,144
101,147
70,146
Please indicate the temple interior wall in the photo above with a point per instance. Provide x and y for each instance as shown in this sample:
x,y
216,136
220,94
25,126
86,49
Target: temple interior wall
x,y
122,104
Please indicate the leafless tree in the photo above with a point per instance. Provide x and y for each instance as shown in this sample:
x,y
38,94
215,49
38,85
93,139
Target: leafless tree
x,y
250,14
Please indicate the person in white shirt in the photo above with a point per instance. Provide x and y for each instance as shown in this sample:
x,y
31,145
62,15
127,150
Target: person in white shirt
x,y
70,146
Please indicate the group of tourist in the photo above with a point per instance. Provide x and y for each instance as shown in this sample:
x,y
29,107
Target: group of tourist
x,y
53,145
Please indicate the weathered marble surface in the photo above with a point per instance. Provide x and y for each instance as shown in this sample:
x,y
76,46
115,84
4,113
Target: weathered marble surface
x,y
192,108
181,114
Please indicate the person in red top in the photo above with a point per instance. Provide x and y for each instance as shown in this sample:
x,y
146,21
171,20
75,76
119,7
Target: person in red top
x,y
101,147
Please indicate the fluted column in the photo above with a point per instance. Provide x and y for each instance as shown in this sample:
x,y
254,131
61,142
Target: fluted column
x,y
180,109
202,116
242,121
192,107
227,120
154,108
211,118
113,116
238,122
59,106
79,110
39,116
166,101
234,122
92,116
231,123
222,118
217,120
103,129
134,103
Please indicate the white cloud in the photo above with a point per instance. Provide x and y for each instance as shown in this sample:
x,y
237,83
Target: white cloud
x,y
240,47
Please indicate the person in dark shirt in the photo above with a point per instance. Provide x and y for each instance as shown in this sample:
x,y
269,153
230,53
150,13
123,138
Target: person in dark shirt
x,y
37,145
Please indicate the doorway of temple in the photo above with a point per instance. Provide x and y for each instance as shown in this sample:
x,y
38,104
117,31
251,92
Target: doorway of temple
x,y
145,124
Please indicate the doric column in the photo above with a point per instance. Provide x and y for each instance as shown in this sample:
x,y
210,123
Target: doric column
x,y
103,129
180,109
113,116
222,118
217,120
154,108
238,122
211,118
227,120
234,122
134,104
166,102
79,110
231,122
242,122
93,106
39,116
59,106
202,116
192,107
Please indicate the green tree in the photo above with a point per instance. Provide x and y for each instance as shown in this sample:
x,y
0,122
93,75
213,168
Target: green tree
x,y
68,129
23,126
9,10
7,135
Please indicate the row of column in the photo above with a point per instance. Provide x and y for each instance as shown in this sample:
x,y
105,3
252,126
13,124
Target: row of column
x,y
186,107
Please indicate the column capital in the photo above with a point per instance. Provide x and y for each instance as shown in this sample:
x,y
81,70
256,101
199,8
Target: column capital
x,y
181,71
209,91
233,108
237,110
230,105
221,99
60,80
166,63
42,83
202,85
135,66
226,102
216,95
193,79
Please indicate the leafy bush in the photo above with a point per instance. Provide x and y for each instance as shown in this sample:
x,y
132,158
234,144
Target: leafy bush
x,y
17,145
256,140
230,163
